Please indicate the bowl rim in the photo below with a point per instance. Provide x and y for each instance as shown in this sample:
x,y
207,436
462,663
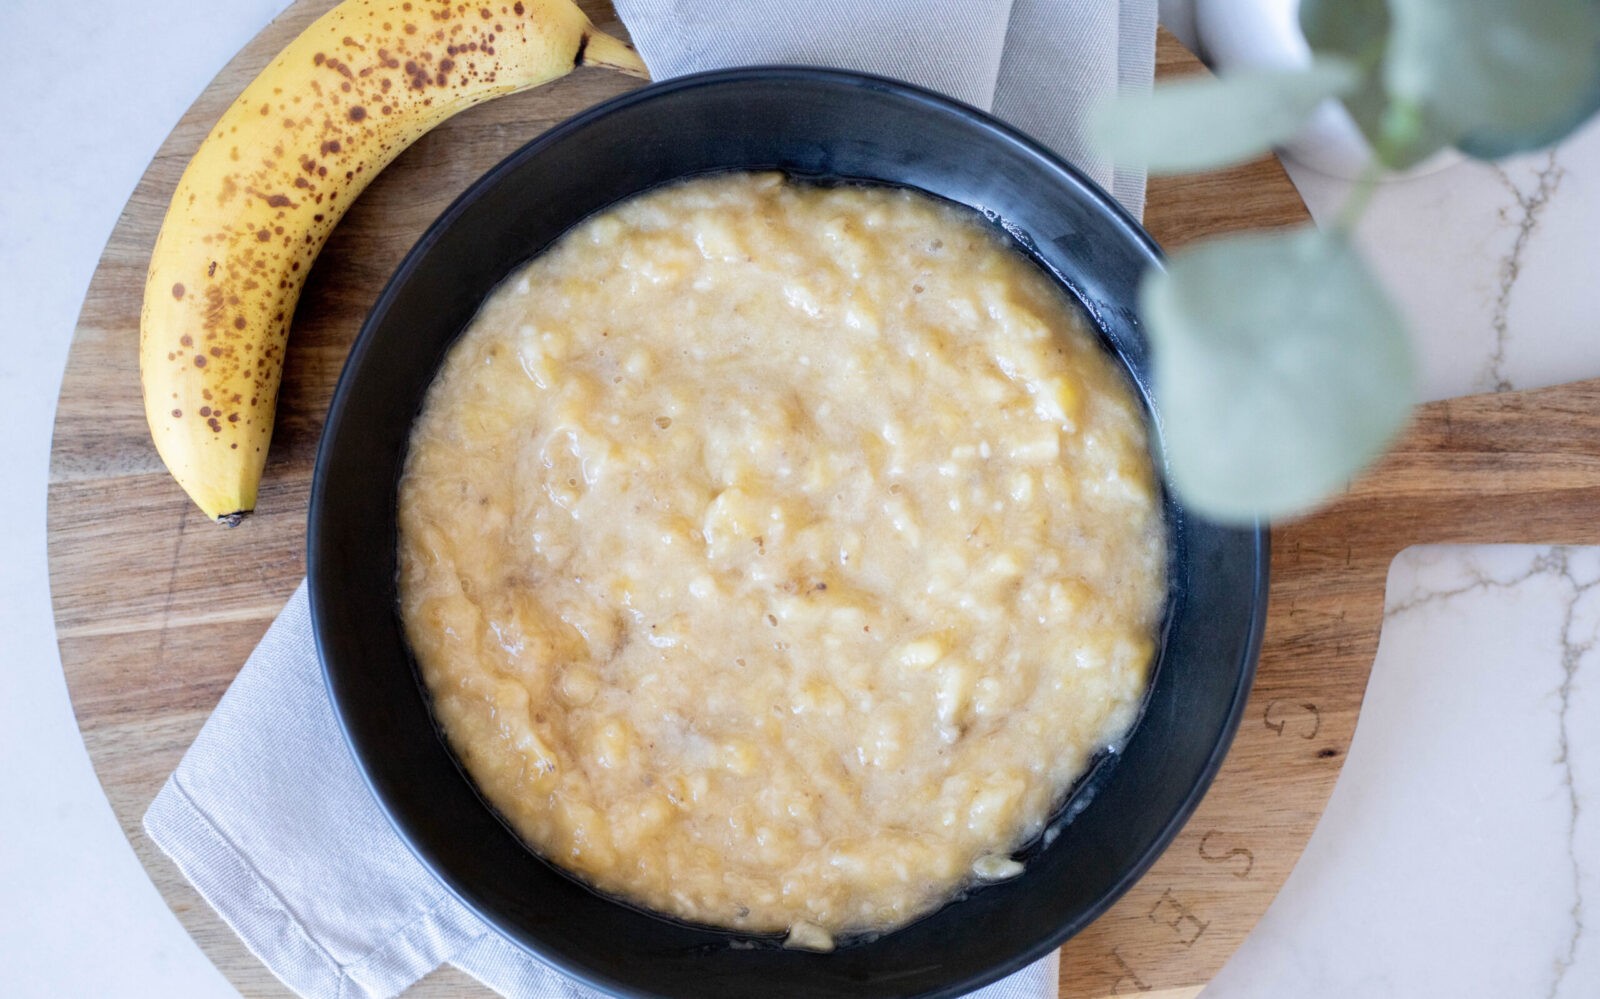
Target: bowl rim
x,y
363,345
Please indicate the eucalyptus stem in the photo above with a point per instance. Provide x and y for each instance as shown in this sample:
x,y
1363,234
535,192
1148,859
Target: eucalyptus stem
x,y
1360,196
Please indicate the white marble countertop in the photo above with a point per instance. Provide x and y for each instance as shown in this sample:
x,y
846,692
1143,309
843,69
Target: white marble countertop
x,y
1460,855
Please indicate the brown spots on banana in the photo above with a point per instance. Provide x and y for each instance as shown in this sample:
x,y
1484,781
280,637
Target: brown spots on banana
x,y
275,176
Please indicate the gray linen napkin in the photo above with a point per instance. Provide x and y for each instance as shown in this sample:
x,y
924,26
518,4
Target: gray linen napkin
x,y
1038,64
267,814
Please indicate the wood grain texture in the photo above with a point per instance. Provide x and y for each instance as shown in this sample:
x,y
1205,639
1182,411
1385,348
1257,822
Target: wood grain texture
x,y
156,608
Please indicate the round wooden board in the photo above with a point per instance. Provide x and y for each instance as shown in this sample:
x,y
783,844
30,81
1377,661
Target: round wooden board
x,y
156,608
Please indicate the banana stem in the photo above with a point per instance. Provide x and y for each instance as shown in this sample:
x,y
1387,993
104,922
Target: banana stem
x,y
600,49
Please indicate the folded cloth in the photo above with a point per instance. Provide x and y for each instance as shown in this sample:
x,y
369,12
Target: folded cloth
x,y
267,814
1038,64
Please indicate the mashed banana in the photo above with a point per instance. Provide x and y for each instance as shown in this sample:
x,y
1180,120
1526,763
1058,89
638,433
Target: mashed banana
x,y
777,556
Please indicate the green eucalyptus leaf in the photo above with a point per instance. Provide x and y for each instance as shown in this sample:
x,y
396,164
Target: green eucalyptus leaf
x,y
1200,124
1497,76
1281,368
1358,31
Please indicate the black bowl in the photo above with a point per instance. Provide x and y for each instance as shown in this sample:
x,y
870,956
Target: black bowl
x,y
809,123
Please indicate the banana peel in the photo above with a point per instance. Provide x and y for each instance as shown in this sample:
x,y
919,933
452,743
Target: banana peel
x,y
277,173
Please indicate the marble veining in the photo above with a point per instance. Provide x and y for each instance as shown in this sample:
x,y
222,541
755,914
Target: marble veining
x,y
1456,857
1576,637
1491,264
1572,653
1530,205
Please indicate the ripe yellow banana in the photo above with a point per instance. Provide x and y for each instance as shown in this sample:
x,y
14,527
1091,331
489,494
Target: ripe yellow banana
x,y
276,174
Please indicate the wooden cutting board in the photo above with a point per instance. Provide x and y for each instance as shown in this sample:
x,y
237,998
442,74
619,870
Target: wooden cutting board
x,y
156,608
